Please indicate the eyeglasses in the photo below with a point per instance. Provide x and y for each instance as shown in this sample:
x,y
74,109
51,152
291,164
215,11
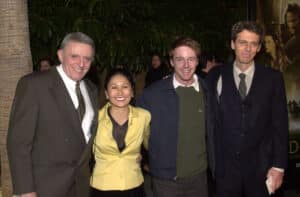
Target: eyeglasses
x,y
245,43
182,60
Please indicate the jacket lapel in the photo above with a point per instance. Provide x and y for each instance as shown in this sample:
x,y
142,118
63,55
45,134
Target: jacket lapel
x,y
256,81
65,105
93,95
93,98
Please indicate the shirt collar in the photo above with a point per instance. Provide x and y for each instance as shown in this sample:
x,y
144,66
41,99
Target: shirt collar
x,y
195,84
64,76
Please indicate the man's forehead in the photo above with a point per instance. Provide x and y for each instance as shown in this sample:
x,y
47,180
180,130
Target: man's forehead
x,y
247,35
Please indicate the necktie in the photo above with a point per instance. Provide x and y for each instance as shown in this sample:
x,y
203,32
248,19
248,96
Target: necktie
x,y
242,86
81,105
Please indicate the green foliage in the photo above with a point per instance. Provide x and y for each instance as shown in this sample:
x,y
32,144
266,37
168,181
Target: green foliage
x,y
127,31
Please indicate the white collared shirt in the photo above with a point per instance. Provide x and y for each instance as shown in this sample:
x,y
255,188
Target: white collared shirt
x,y
195,84
236,71
89,112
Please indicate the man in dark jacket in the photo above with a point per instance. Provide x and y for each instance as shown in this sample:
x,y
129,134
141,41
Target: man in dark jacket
x,y
177,146
250,120
53,119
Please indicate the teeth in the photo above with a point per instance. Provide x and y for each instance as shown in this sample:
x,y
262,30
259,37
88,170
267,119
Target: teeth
x,y
120,99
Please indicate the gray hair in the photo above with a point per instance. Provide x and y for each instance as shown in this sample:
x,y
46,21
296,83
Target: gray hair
x,y
77,37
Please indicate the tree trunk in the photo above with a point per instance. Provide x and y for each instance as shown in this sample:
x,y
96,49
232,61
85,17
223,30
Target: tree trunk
x,y
15,61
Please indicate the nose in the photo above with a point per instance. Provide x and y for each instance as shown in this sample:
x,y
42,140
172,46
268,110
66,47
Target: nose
x,y
81,62
248,47
119,91
186,63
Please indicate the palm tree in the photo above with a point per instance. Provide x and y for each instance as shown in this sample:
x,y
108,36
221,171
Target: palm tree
x,y
15,61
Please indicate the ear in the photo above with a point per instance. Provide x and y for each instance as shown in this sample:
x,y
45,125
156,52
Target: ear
x,y
106,95
258,49
60,55
172,62
232,44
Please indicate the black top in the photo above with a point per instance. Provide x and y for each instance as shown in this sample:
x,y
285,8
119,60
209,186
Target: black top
x,y
119,132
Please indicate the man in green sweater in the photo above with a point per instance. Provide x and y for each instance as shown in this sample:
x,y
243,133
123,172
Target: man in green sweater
x,y
177,146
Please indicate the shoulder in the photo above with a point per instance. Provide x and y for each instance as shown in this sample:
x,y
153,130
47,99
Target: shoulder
x,y
37,79
141,112
142,115
161,84
158,86
214,74
103,110
269,72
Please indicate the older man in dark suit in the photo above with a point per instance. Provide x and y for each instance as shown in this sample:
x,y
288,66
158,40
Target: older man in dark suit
x,y
52,122
250,118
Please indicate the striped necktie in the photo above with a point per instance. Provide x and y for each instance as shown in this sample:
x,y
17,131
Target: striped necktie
x,y
242,86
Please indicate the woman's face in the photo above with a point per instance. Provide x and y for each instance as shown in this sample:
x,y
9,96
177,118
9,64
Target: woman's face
x,y
119,91
269,44
155,62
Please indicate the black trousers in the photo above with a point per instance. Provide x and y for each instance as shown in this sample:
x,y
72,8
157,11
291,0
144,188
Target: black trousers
x,y
241,180
135,192
194,186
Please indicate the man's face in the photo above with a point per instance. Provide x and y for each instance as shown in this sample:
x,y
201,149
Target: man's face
x,y
292,22
246,46
76,59
184,62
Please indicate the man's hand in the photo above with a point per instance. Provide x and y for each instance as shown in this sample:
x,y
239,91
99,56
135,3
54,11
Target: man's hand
x,y
32,194
277,178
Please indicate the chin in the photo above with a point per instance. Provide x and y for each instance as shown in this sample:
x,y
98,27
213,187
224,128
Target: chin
x,y
121,104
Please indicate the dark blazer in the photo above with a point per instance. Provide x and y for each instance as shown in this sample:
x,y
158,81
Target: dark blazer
x,y
46,147
254,130
161,100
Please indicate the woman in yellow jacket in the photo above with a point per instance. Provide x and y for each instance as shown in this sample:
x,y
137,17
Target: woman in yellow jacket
x,y
121,131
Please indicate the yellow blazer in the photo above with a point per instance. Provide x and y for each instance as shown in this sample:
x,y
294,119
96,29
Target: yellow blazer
x,y
115,170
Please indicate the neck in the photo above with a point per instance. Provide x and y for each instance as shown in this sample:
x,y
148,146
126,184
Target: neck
x,y
186,83
119,114
243,66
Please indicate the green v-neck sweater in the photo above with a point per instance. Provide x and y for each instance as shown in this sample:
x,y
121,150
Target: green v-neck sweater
x,y
191,146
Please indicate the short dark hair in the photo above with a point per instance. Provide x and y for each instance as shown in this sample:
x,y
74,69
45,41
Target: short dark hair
x,y
78,37
185,41
48,59
119,71
249,26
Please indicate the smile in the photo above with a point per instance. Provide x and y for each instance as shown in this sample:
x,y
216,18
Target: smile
x,y
120,98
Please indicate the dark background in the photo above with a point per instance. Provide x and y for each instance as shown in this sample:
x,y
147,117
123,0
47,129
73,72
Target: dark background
x,y
127,31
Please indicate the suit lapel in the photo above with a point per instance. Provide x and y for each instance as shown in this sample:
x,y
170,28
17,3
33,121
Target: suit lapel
x,y
257,87
93,95
65,106
93,98
256,82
